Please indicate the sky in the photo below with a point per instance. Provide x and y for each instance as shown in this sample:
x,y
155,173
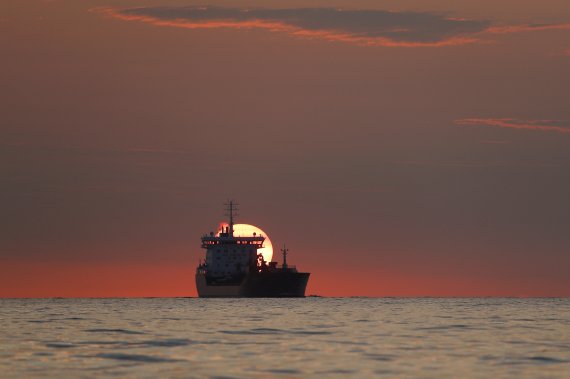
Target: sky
x,y
398,148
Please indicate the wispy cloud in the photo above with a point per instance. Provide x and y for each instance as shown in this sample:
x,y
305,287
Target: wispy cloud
x,y
133,150
559,126
362,27
494,142
506,29
469,164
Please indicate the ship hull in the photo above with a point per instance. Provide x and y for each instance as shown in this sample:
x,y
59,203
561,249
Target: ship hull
x,y
268,284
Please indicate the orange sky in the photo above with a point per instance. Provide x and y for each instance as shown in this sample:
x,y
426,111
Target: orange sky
x,y
25,279
399,148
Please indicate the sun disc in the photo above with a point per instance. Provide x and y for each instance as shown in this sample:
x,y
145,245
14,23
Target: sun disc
x,y
246,230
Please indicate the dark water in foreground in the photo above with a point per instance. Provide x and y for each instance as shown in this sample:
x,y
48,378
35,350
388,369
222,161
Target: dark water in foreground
x,y
285,338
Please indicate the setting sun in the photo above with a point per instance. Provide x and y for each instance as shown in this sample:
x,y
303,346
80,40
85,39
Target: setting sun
x,y
246,230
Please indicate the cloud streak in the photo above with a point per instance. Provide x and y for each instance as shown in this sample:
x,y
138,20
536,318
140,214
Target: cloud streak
x,y
361,27
508,29
557,126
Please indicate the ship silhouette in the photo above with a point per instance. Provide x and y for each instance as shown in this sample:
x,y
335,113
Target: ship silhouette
x,y
233,267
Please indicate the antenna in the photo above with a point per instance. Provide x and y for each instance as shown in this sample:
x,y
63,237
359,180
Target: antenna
x,y
285,251
231,212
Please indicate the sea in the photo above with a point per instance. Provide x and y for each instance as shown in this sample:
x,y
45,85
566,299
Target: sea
x,y
313,337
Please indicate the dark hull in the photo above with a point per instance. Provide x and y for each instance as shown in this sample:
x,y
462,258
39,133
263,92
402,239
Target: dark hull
x,y
267,284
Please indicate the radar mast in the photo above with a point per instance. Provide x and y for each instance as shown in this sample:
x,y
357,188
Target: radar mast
x,y
285,251
231,211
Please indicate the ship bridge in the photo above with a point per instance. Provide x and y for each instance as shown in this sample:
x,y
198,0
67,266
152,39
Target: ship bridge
x,y
228,255
227,237
212,240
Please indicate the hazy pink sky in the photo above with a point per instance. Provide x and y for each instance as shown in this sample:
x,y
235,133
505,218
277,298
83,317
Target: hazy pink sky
x,y
406,147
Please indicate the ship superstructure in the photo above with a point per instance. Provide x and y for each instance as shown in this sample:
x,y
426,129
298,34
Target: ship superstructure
x,y
233,267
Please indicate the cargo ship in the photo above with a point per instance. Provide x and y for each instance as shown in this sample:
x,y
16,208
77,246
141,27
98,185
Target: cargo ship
x,y
234,267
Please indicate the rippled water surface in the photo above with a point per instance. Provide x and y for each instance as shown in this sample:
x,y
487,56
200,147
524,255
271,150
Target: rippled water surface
x,y
285,338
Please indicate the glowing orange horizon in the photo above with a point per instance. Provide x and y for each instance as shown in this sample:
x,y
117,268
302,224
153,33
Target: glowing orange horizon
x,y
73,280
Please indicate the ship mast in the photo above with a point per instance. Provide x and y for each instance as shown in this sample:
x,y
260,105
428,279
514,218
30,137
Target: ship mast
x,y
284,250
231,211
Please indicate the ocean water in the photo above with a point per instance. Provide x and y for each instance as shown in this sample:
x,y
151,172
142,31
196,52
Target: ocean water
x,y
285,338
